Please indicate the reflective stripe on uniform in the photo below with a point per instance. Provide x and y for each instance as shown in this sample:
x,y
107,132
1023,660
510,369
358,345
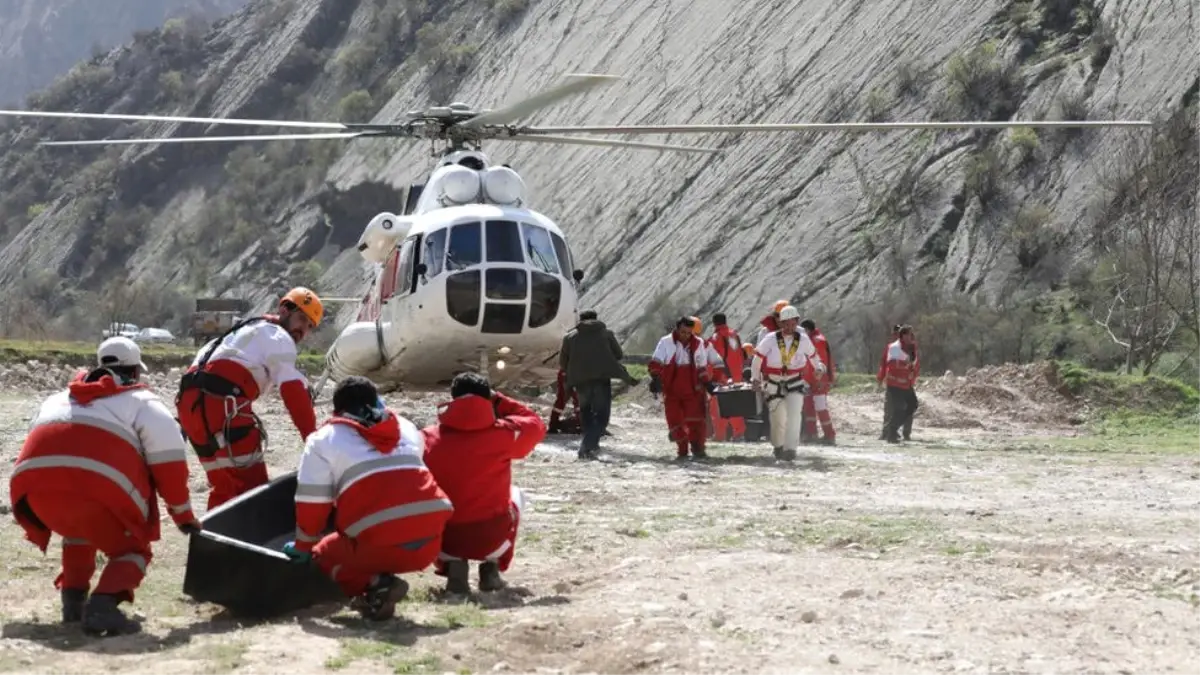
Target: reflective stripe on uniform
x,y
135,558
77,416
385,463
69,462
166,456
396,513
314,493
179,509
301,536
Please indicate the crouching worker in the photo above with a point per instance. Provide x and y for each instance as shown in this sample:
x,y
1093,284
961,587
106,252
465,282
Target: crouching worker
x,y
89,470
367,463
470,452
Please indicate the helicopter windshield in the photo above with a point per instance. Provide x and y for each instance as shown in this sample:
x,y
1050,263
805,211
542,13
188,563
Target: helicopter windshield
x,y
504,242
564,255
540,248
466,246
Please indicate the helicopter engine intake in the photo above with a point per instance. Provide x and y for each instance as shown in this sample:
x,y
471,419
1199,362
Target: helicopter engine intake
x,y
503,186
459,185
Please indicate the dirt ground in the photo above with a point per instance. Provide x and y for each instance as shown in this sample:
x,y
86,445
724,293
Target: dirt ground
x,y
999,540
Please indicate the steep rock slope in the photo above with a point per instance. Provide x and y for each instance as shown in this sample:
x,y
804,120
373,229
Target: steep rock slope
x,y
830,220
42,39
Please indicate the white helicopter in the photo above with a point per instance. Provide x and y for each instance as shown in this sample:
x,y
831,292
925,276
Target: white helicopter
x,y
467,275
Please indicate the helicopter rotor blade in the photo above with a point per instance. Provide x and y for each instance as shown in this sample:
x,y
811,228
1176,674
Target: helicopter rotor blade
x,y
171,118
575,83
208,139
605,142
826,126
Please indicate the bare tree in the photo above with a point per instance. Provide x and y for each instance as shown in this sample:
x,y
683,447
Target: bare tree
x,y
1147,281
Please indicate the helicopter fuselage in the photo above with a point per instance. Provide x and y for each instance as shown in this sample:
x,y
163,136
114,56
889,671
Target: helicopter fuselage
x,y
468,287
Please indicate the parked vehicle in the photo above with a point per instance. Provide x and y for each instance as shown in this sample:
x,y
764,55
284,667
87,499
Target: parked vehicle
x,y
214,316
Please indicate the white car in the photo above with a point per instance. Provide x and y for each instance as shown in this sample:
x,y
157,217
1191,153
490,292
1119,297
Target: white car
x,y
153,335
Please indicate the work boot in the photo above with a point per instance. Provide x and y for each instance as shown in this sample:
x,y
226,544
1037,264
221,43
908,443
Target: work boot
x,y
458,577
699,452
379,602
489,577
102,617
788,455
828,440
778,452
73,600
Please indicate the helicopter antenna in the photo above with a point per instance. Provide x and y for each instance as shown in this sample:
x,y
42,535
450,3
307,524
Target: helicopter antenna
x,y
459,126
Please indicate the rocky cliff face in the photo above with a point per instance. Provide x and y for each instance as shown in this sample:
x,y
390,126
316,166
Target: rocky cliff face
x,y
833,221
41,39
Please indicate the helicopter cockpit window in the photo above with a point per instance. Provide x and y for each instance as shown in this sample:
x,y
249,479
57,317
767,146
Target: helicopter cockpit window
x,y
466,246
433,251
504,242
540,248
404,273
564,256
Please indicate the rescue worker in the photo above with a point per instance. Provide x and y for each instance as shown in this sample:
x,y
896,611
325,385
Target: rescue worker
x,y
714,362
816,402
887,407
366,465
591,357
470,452
899,374
770,322
96,456
785,364
679,369
726,344
217,393
559,422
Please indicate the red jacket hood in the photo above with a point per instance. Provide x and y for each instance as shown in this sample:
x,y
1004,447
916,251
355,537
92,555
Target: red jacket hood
x,y
383,436
816,332
468,413
770,323
86,392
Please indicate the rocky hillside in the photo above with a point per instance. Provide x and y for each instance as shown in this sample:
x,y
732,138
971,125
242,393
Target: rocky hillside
x,y
42,39
979,226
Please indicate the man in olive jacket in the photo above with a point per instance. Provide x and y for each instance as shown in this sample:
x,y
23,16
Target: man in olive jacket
x,y
591,358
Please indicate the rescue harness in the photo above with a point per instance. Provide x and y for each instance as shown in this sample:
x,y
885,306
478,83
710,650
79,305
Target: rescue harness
x,y
210,384
788,385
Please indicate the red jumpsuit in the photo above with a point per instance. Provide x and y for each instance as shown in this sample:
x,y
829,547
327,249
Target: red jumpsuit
x,y
682,367
389,511
816,404
470,452
728,345
97,457
216,412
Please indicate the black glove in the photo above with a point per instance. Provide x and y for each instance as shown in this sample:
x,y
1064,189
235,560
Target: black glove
x,y
191,528
655,385
710,386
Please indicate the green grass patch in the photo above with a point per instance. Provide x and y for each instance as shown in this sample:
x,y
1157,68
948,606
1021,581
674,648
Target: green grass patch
x,y
157,356
1155,395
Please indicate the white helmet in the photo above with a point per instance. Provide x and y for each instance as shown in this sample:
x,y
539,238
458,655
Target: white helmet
x,y
789,312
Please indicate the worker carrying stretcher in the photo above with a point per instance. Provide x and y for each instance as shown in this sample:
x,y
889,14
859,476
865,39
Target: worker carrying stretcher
x,y
785,366
217,392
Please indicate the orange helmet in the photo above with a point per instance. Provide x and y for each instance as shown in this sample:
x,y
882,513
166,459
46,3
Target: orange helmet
x,y
307,302
779,305
697,325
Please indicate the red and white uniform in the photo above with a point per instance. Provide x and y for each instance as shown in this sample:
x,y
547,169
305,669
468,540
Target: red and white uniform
x,y
389,510
898,368
95,458
470,452
682,367
254,358
783,370
816,404
726,345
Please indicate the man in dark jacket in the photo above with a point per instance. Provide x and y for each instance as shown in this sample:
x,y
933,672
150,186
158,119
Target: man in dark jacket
x,y
591,358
